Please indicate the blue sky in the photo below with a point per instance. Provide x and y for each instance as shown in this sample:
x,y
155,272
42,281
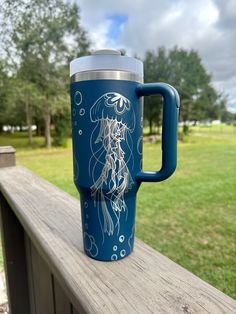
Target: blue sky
x,y
116,26
208,26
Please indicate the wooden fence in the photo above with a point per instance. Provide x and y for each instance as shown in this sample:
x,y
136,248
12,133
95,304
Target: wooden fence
x,y
47,271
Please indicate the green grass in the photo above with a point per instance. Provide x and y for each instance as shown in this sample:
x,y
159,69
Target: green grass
x,y
191,217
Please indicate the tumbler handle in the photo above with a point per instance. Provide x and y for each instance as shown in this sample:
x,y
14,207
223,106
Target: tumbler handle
x,y
169,130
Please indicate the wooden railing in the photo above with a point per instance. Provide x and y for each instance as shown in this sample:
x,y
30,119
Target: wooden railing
x,y
47,271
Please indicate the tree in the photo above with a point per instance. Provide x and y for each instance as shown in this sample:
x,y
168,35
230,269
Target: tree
x,y
25,98
44,36
191,80
153,105
184,70
10,111
4,91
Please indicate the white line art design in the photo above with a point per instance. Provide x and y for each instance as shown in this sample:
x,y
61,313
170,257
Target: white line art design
x,y
108,163
90,245
140,145
131,239
78,98
141,121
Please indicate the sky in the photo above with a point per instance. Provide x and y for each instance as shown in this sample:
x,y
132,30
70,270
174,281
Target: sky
x,y
208,26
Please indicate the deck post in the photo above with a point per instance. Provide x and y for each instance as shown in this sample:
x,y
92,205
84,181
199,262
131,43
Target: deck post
x,y
7,156
13,247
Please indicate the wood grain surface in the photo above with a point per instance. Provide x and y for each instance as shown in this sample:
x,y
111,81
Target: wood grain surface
x,y
7,156
144,282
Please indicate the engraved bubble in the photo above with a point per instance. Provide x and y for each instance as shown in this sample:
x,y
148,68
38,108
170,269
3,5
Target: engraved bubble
x,y
115,248
78,98
121,238
74,112
90,245
114,257
82,111
86,204
122,253
80,132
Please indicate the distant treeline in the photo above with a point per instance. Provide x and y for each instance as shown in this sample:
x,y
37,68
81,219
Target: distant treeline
x,y
40,38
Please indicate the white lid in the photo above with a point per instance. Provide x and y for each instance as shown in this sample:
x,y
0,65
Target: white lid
x,y
106,59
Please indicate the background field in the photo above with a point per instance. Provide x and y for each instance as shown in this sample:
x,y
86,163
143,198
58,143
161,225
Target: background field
x,y
191,217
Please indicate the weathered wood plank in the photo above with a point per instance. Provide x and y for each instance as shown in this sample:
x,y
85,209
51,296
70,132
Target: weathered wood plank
x,y
144,282
42,284
73,311
7,156
13,247
62,303
30,275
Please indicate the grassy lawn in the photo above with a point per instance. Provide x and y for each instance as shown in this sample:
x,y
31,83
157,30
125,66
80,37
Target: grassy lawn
x,y
191,217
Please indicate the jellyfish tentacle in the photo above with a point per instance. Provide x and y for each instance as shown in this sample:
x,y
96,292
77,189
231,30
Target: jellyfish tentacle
x,y
95,164
100,222
91,147
108,222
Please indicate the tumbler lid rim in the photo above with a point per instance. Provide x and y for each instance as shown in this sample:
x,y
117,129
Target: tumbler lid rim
x,y
106,59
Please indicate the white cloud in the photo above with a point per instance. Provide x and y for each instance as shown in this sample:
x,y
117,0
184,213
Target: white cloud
x,y
209,26
98,36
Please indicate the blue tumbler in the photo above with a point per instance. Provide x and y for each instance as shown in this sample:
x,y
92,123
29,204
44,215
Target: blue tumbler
x,y
107,123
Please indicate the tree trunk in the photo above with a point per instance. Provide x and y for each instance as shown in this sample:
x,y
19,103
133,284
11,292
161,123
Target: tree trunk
x,y
185,124
37,127
150,126
47,126
28,110
184,117
40,127
159,122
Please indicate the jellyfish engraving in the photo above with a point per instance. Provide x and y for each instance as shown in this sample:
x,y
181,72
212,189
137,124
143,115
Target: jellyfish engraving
x,y
112,157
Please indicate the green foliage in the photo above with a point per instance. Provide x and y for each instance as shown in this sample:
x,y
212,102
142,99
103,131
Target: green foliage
x,y
43,36
62,128
184,70
154,68
4,92
185,129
